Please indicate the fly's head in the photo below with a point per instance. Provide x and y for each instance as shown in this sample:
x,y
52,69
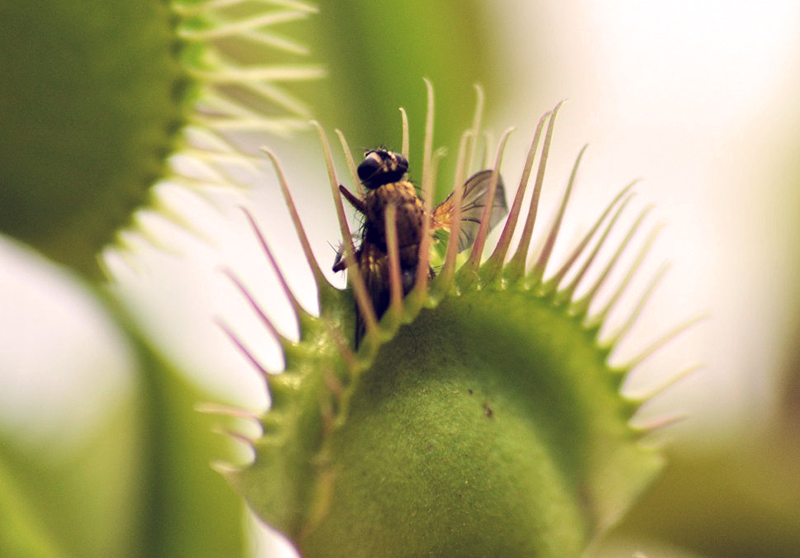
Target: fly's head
x,y
381,167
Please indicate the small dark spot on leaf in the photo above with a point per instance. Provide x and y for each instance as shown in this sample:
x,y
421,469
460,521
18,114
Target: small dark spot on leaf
x,y
487,410
470,391
430,447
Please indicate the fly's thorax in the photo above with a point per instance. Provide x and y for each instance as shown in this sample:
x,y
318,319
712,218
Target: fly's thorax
x,y
409,217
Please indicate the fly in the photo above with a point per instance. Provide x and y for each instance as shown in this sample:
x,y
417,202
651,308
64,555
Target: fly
x,y
384,175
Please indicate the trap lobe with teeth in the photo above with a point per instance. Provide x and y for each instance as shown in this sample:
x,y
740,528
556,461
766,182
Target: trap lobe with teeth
x,y
354,439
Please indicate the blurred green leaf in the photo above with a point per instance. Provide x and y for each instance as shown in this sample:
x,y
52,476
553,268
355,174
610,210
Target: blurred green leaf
x,y
187,509
735,501
91,96
140,485
22,533
85,500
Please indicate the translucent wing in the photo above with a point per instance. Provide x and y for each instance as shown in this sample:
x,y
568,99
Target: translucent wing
x,y
474,199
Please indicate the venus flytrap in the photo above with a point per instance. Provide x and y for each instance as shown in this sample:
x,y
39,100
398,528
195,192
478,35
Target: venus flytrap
x,y
479,417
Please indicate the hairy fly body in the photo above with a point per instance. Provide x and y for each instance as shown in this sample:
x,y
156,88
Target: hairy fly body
x,y
384,175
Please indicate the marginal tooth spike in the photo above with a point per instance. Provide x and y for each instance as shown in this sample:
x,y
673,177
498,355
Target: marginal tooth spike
x,y
568,292
186,10
299,311
665,385
587,299
242,348
423,261
362,299
623,330
280,97
253,304
596,320
233,75
238,27
405,144
147,235
219,4
207,168
448,270
205,139
427,151
660,423
395,280
224,468
275,41
423,267
238,436
600,243
662,341
421,282
200,157
517,265
351,164
163,206
500,251
214,103
210,157
231,412
124,249
439,154
353,273
559,275
294,5
109,261
476,127
541,263
277,126
334,183
319,278
211,408
129,243
199,187
474,260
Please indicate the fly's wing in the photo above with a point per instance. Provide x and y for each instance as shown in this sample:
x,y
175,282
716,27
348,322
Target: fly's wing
x,y
474,199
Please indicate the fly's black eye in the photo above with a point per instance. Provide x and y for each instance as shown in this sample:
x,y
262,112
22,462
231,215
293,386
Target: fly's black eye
x,y
369,167
402,163
381,167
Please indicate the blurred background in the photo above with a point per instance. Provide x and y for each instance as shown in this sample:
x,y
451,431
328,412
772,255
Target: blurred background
x,y
698,100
